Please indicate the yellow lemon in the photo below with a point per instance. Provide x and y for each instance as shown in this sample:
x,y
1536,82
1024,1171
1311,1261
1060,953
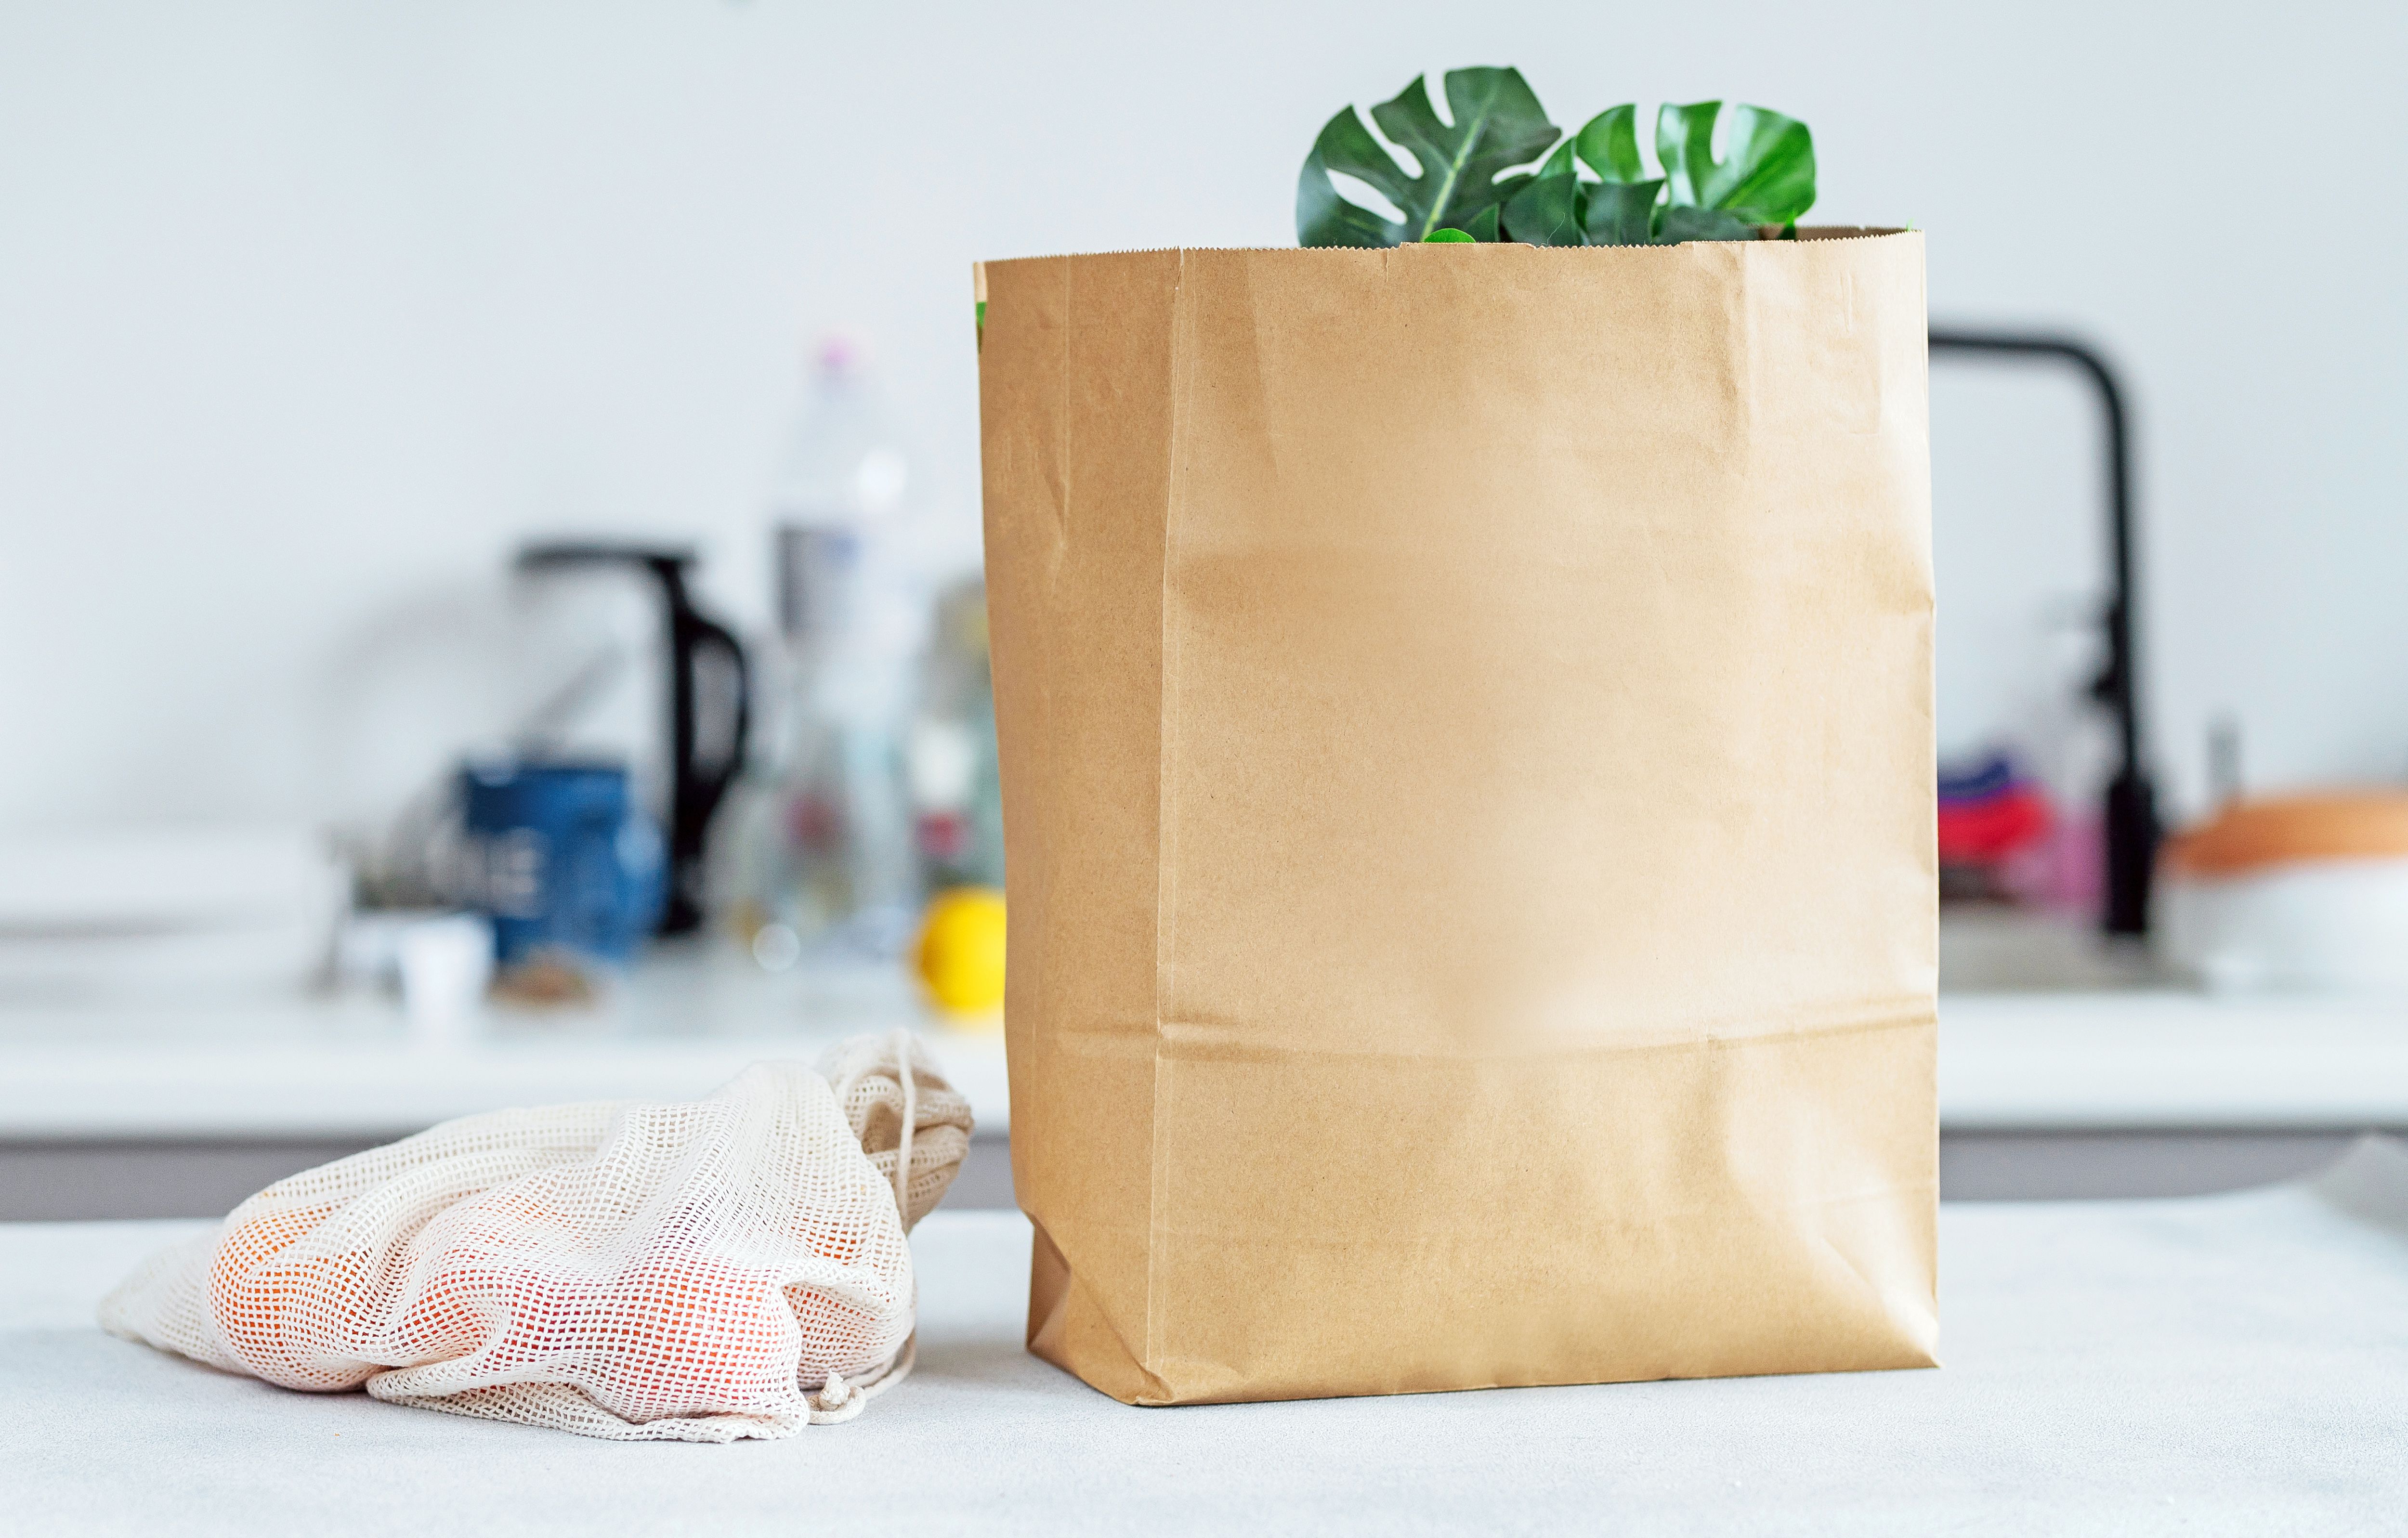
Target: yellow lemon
x,y
960,953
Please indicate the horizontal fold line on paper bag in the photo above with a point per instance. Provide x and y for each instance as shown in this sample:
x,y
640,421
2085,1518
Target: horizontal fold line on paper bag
x,y
1212,1041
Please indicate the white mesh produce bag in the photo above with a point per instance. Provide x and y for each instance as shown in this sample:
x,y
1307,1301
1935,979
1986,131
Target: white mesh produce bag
x,y
694,1272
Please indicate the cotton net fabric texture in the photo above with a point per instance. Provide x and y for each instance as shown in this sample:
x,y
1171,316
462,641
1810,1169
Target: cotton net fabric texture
x,y
697,1271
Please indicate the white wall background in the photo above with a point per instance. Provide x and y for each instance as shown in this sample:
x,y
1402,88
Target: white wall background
x,y
310,311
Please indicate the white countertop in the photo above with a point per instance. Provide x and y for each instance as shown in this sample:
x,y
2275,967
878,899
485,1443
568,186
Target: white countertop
x,y
2122,1060
2229,1364
294,1066
341,1068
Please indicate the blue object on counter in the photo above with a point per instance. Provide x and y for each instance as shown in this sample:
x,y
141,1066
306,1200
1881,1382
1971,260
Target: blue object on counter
x,y
1980,779
561,858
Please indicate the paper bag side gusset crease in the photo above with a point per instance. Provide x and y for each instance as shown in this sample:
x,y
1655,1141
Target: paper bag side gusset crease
x,y
1075,443
1619,714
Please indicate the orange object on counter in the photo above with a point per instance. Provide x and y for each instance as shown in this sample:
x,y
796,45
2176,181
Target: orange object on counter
x,y
2251,836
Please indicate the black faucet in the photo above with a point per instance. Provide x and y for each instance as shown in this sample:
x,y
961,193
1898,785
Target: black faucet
x,y
2132,805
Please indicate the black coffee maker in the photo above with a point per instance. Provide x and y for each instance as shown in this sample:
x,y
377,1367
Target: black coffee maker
x,y
703,711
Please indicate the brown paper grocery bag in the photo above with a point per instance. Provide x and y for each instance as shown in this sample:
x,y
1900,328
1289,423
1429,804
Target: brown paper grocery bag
x,y
1466,718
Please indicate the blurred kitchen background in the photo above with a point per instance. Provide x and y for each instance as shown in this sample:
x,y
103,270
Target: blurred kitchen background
x,y
484,484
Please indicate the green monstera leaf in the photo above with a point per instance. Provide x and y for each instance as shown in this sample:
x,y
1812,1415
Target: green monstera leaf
x,y
1677,222
1324,219
1547,212
1620,208
1765,177
1608,144
1498,124
1623,213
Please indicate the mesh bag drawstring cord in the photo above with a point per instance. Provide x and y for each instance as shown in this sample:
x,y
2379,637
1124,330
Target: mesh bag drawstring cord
x,y
836,1400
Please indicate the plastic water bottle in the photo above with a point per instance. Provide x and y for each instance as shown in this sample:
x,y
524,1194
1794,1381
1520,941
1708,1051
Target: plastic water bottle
x,y
854,603
956,797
